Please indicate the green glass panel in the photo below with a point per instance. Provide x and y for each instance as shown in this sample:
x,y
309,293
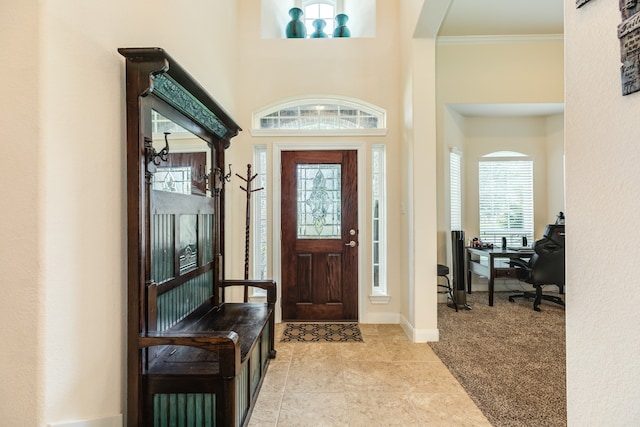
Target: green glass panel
x,y
188,242
184,410
169,90
179,302
319,199
163,248
207,238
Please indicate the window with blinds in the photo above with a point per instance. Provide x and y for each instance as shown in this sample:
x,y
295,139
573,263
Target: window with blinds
x,y
455,189
506,198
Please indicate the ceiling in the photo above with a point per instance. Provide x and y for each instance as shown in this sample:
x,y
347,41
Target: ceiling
x,y
503,17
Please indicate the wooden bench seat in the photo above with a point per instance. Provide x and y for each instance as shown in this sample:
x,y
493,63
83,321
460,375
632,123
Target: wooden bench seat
x,y
235,321
218,354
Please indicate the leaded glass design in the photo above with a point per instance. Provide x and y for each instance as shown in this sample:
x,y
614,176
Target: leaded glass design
x,y
320,116
319,200
188,242
173,179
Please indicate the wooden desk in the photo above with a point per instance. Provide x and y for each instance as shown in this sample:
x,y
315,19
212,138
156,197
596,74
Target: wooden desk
x,y
492,270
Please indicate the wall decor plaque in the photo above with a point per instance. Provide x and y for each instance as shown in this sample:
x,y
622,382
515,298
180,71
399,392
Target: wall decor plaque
x,y
629,35
630,75
629,8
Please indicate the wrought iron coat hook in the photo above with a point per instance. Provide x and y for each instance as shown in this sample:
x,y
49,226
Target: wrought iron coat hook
x,y
153,156
219,178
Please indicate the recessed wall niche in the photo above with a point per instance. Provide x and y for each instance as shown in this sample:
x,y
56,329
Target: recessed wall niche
x,y
275,16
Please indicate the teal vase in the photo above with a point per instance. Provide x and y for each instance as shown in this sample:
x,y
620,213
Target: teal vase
x,y
319,33
295,28
341,30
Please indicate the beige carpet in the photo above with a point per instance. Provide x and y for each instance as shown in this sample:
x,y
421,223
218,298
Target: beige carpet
x,y
509,358
322,332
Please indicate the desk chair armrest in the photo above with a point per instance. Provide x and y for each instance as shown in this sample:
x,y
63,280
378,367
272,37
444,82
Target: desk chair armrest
x,y
519,263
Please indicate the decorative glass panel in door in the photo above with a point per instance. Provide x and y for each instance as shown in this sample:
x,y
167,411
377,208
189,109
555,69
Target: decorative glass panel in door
x,y
318,201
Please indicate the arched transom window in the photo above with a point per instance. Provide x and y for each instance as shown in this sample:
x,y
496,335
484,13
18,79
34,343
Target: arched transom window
x,y
321,115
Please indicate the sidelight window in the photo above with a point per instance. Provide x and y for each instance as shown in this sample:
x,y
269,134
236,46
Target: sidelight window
x,y
379,225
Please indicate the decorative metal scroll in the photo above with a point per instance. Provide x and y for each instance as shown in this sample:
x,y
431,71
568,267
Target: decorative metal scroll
x,y
173,93
580,3
153,157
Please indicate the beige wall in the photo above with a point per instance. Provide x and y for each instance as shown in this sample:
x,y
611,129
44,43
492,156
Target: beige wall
x,y
486,71
497,71
602,176
65,216
21,308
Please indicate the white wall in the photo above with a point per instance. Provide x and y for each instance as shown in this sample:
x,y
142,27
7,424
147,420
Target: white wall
x,y
555,166
418,166
65,221
602,176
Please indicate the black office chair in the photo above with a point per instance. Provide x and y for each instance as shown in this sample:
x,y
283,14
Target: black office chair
x,y
545,267
443,271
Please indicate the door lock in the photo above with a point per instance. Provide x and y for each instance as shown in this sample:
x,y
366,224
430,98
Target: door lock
x,y
352,244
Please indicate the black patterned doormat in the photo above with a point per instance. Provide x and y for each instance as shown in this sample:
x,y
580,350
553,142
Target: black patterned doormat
x,y
321,332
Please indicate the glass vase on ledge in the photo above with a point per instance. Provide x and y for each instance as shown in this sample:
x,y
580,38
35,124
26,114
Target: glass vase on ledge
x,y
319,33
341,29
295,28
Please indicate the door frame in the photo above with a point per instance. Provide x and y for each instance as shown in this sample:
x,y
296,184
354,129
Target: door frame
x,y
363,188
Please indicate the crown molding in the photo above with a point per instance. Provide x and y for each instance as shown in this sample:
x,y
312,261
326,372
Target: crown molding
x,y
515,38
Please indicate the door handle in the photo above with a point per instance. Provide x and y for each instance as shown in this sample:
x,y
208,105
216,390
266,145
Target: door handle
x,y
352,244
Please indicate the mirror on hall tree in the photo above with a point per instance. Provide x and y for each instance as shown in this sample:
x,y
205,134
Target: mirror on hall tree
x,y
188,163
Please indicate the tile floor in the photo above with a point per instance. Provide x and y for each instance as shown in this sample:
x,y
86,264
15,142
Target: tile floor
x,y
385,381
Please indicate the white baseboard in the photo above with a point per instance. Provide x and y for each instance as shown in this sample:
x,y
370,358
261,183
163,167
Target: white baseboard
x,y
112,421
383,318
419,335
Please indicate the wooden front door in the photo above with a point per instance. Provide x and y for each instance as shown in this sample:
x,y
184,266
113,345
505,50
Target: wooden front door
x,y
319,235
